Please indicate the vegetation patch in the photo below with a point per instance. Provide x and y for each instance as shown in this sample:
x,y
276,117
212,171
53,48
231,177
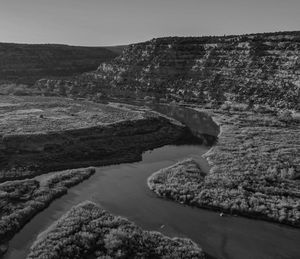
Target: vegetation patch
x,y
21,200
255,170
87,231
26,63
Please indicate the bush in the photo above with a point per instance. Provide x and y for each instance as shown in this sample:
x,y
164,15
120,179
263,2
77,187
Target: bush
x,y
226,106
285,116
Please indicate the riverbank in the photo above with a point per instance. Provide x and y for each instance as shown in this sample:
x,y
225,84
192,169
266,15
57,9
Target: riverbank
x,y
22,200
122,190
254,170
88,230
42,134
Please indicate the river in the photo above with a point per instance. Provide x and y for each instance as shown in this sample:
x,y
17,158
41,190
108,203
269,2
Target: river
x,y
122,189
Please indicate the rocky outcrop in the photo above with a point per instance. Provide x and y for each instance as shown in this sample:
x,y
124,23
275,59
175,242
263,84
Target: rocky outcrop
x,y
256,68
25,63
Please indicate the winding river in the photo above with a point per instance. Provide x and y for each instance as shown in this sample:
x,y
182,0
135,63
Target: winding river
x,y
122,189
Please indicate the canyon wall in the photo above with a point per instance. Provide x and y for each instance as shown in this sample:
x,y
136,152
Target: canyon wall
x,y
253,69
26,155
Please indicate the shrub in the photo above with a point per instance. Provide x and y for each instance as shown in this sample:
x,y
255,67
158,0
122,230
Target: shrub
x,y
285,116
226,106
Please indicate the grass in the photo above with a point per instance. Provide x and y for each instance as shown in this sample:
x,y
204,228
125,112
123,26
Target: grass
x,y
87,231
255,169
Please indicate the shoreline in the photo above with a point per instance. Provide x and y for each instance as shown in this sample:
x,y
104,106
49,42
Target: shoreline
x,y
121,142
43,193
221,131
221,197
88,217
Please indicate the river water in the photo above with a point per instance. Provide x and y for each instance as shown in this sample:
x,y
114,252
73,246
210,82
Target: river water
x,y
122,189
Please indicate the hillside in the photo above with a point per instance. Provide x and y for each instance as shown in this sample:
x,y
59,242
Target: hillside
x,y
255,68
26,63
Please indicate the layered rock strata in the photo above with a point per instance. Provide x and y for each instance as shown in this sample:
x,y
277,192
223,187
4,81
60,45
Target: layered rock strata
x,y
255,69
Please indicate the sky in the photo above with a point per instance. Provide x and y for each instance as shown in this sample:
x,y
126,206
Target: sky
x,y
118,22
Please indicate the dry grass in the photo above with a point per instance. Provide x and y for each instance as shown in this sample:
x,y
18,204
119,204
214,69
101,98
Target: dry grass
x,y
24,115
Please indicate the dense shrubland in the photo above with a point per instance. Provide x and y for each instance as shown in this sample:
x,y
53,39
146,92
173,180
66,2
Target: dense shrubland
x,y
86,230
255,170
21,200
25,63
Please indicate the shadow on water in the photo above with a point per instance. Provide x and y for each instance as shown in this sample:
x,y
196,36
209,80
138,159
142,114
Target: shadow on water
x,y
202,127
122,190
198,122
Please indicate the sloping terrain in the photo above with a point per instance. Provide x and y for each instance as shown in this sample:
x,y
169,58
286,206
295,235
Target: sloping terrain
x,y
255,69
26,63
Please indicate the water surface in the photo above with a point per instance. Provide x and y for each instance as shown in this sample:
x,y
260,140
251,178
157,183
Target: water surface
x,y
122,190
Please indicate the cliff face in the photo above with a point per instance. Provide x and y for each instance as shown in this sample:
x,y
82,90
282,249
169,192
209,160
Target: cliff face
x,y
257,68
42,134
30,154
26,63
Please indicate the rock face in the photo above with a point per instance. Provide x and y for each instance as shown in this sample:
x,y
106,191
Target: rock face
x,y
120,142
257,68
25,63
61,140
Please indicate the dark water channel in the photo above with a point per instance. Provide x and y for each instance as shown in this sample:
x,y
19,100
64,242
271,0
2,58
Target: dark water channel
x,y
122,190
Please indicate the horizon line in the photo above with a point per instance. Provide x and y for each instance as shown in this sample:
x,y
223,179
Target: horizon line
x,y
174,36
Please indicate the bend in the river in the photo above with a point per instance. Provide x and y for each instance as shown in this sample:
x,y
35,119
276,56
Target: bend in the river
x,y
122,189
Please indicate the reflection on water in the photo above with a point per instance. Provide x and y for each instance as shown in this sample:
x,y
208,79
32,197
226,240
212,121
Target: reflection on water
x,y
197,121
200,124
122,190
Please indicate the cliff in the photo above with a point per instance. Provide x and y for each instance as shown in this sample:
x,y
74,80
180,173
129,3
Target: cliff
x,y
46,134
26,63
256,69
